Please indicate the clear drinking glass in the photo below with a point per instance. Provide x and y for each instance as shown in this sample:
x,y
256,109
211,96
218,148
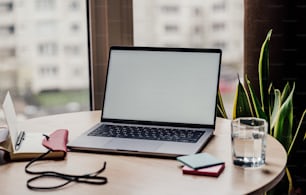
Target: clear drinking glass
x,y
249,141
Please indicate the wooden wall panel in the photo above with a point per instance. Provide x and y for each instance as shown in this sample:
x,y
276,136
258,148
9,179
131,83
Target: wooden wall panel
x,y
111,23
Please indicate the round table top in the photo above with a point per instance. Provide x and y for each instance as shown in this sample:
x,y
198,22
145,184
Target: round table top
x,y
144,175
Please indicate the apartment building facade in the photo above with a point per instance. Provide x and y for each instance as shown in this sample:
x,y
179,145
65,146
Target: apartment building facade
x,y
192,23
43,45
44,42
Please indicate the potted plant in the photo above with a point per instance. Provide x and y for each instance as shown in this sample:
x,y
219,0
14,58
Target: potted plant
x,y
272,104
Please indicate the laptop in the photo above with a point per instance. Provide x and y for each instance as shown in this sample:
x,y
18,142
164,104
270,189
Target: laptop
x,y
157,102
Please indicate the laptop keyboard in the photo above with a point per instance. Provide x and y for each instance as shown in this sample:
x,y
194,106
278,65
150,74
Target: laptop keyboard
x,y
149,133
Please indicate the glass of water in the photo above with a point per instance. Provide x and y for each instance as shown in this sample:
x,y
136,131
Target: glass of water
x,y
249,141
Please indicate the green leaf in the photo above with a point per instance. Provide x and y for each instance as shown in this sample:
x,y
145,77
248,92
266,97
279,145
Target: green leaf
x,y
256,104
290,187
283,126
276,108
286,92
220,112
298,134
242,106
220,106
271,93
263,72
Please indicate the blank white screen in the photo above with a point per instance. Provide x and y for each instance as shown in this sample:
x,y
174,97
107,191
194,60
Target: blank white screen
x,y
162,86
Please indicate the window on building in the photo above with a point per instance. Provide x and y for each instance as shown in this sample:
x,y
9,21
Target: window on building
x,y
7,53
72,50
220,26
49,71
75,27
220,6
219,44
6,7
47,49
197,11
74,5
7,30
171,28
43,5
198,29
170,9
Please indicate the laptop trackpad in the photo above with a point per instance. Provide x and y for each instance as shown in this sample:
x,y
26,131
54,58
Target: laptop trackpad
x,y
132,145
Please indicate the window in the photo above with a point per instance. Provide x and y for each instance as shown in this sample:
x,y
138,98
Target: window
x,y
48,71
7,52
41,64
72,50
47,49
6,7
219,44
74,5
197,30
195,23
7,30
170,9
197,11
149,23
43,5
218,26
171,28
220,6
75,27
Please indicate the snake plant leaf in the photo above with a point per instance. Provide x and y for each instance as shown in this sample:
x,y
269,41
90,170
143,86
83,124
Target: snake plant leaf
x,y
220,112
263,72
276,108
220,106
242,106
283,126
286,92
256,104
298,135
289,177
271,93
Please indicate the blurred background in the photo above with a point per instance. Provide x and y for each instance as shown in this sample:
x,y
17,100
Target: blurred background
x,y
44,46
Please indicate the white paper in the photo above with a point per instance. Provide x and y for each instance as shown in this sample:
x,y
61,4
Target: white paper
x,y
32,143
11,118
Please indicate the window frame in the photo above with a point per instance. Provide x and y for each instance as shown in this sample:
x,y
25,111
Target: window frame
x,y
110,22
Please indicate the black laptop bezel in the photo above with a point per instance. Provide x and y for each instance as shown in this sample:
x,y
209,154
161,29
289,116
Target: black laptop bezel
x,y
154,123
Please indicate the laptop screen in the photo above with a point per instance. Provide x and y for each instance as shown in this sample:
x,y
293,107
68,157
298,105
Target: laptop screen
x,y
162,85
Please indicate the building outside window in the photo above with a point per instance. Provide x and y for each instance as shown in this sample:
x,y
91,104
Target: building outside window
x,y
199,24
44,46
44,56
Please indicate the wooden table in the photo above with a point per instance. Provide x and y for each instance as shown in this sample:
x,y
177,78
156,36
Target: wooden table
x,y
142,175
